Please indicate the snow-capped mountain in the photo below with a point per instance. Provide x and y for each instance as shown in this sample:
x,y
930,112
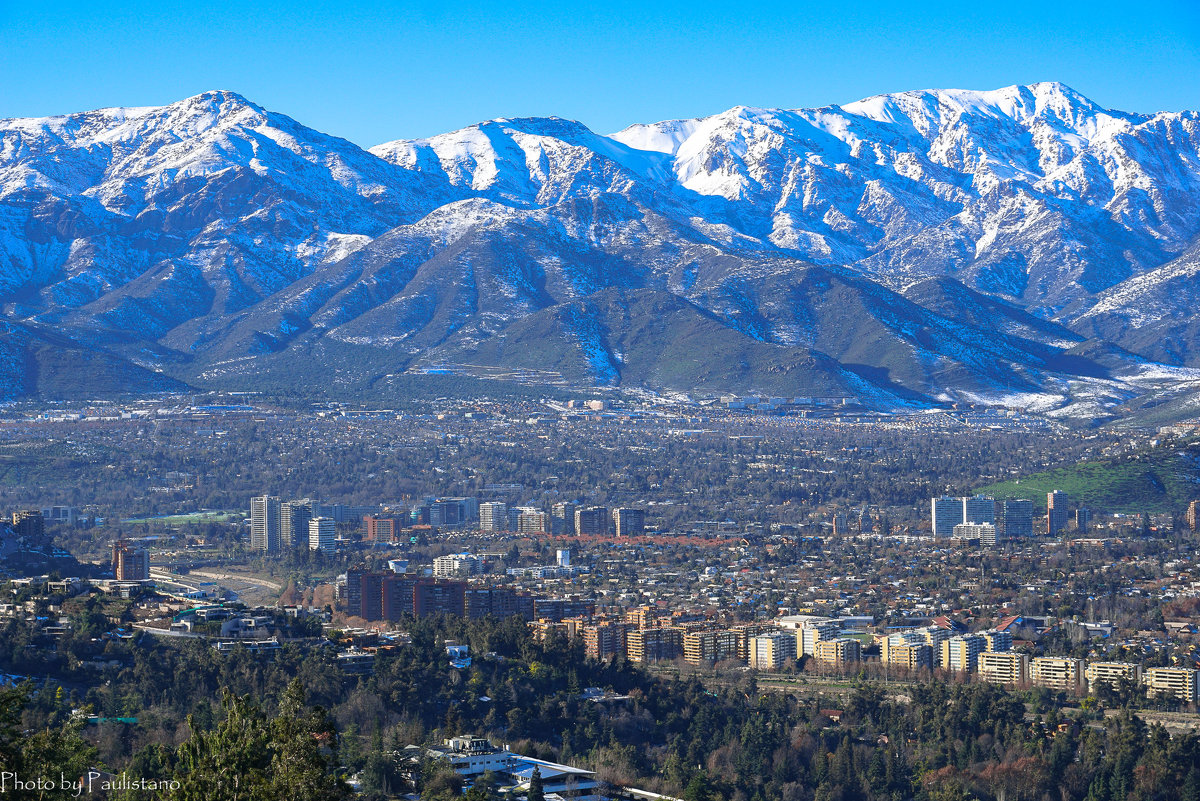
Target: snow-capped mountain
x,y
903,248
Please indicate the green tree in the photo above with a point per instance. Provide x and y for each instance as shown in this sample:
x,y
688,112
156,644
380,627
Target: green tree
x,y
536,793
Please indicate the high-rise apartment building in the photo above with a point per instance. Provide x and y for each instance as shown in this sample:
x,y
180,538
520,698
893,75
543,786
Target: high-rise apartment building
x,y
383,528
998,641
533,521
1003,667
653,645
1178,683
839,651
629,522
1111,674
1083,519
604,640
457,564
961,654
907,650
984,532
592,520
814,632
493,516
1056,512
562,518
322,534
293,523
130,563
707,647
1193,515
264,523
770,651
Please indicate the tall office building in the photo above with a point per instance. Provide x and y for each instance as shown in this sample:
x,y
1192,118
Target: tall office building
x,y
452,512
264,523
562,518
592,520
947,513
979,509
1056,512
322,534
493,516
629,522
293,523
1017,519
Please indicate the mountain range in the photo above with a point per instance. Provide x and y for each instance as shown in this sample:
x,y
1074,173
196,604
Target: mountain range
x,y
1022,246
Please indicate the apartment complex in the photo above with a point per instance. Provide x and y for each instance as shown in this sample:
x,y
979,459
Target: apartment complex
x,y
1057,673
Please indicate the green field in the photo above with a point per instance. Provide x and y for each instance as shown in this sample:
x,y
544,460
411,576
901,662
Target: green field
x,y
1159,480
190,518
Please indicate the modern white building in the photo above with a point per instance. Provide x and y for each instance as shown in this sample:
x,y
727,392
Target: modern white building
x,y
322,534
471,757
493,516
264,523
457,564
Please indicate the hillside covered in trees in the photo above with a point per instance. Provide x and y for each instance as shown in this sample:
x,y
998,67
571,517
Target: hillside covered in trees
x,y
243,726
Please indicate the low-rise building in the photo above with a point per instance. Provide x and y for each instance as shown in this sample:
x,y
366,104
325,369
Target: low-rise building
x,y
707,647
1112,674
839,651
1003,667
961,654
1165,682
770,651
1057,673
653,645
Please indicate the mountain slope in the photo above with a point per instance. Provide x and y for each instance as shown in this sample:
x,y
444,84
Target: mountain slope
x,y
942,244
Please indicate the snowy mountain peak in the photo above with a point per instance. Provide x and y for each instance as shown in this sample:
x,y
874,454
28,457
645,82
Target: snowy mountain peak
x,y
211,229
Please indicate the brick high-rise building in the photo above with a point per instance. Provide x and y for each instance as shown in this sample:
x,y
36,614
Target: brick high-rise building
x,y
706,647
130,563
383,528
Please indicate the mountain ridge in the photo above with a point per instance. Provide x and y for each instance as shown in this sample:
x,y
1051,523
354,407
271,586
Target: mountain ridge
x,y
978,237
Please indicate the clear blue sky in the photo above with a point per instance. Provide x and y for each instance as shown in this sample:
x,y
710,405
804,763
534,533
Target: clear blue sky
x,y
372,71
